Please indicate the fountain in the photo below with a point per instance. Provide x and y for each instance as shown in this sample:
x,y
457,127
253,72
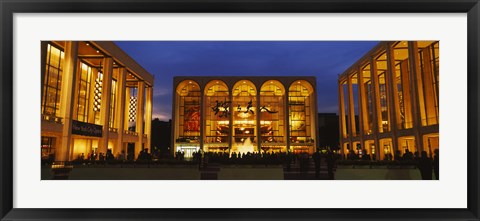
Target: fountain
x,y
244,147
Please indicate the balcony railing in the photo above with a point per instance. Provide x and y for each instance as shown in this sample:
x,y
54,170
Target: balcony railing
x,y
115,130
129,132
52,119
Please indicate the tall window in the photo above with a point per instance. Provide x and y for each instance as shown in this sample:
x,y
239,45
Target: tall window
x,y
272,116
53,81
428,81
113,101
402,86
381,71
300,112
244,113
188,110
355,123
217,115
369,99
84,92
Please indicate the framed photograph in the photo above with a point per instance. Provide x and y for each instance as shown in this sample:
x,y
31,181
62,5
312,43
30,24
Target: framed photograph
x,y
257,110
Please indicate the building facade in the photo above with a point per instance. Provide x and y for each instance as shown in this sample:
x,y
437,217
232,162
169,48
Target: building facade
x,y
95,99
388,100
244,114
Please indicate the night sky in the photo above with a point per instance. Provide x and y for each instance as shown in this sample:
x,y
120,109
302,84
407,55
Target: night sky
x,y
323,59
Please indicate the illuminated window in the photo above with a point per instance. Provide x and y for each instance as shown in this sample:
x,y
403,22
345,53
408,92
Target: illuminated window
x,y
113,99
402,91
272,116
188,112
381,72
53,81
428,81
244,112
369,99
217,115
83,96
300,110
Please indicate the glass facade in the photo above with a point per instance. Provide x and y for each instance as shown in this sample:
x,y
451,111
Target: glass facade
x,y
188,114
398,97
300,113
244,112
272,116
52,81
241,116
81,110
217,115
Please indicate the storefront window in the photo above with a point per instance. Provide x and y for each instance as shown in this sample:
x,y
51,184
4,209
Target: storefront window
x,y
53,81
272,116
48,148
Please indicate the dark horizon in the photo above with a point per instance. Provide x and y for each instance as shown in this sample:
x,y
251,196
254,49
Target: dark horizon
x,y
323,59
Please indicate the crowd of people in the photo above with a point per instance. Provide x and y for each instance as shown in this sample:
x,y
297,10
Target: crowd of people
x,y
425,164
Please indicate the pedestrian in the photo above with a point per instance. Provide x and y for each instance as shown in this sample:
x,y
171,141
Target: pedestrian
x,y
425,166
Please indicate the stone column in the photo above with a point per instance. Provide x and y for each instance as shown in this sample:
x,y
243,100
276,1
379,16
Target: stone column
x,y
148,117
376,121
65,152
105,103
258,119
392,94
139,118
287,118
417,93
120,110
361,108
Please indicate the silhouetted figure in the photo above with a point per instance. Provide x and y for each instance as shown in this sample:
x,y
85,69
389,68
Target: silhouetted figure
x,y
425,166
330,162
316,159
436,164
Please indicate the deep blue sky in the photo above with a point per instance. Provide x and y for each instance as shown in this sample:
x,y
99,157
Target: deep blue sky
x,y
323,59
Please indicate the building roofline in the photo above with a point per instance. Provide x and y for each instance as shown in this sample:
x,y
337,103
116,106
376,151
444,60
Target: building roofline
x,y
124,59
375,50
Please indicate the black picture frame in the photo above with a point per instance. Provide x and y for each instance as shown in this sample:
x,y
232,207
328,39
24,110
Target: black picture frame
x,y
9,7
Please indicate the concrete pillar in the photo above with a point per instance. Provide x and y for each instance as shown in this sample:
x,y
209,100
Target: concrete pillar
x,y
361,107
257,112
376,107
417,93
392,95
351,109
120,109
139,118
203,111
148,117
287,118
230,120
105,103
66,100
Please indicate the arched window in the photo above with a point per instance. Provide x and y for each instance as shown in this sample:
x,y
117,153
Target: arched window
x,y
272,116
217,124
301,115
187,111
244,112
